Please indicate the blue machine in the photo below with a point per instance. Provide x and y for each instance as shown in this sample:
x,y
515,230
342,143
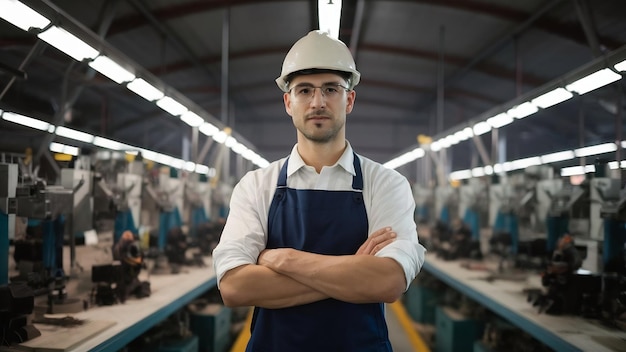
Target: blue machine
x,y
168,219
123,222
472,219
556,227
4,248
198,216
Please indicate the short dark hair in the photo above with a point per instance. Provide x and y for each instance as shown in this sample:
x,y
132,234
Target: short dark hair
x,y
310,71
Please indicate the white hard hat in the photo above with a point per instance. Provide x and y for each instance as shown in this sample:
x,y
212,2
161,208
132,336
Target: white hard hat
x,y
317,50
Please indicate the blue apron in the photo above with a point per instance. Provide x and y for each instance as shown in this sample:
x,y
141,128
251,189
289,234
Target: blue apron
x,y
323,222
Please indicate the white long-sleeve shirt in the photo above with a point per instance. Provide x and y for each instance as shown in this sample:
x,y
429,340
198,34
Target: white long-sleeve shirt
x,y
387,196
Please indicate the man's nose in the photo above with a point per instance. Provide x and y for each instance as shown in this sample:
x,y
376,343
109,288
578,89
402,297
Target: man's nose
x,y
318,98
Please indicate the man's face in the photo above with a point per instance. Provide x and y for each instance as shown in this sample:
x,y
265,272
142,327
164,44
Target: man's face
x,y
318,105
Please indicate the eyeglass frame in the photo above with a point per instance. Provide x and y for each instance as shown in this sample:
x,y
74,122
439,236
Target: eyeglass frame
x,y
311,86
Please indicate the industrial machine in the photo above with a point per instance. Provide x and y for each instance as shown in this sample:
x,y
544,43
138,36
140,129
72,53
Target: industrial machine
x,y
424,203
197,202
40,255
118,191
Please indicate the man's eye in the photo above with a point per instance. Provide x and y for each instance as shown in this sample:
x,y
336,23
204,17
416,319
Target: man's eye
x,y
304,91
330,90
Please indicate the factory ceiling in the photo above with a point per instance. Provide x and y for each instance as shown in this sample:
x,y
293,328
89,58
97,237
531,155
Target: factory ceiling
x,y
427,67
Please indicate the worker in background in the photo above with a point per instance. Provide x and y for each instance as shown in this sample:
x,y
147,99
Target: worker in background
x,y
295,244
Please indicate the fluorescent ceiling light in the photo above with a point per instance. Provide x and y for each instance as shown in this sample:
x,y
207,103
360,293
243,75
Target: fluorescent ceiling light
x,y
21,15
239,148
192,119
499,120
488,170
249,154
577,170
595,149
452,139
220,137
443,142
145,89
593,81
208,129
190,166
108,144
481,128
435,146
558,156
111,69
461,175
63,149
177,163
409,156
172,106
230,142
260,162
329,14
163,159
149,154
524,163
202,169
68,43
620,66
74,134
26,121
522,110
464,134
478,171
552,98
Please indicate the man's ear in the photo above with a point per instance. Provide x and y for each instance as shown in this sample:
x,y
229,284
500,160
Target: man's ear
x,y
350,101
287,101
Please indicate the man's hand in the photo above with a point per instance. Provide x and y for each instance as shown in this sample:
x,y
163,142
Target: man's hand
x,y
376,241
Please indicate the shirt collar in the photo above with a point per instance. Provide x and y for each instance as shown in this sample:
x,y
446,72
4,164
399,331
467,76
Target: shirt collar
x,y
346,161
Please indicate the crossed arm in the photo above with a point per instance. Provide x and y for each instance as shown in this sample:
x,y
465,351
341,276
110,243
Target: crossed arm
x,y
287,277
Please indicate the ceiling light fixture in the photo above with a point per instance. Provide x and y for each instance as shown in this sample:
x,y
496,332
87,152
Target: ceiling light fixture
x,y
145,89
558,156
551,98
481,128
522,110
499,120
190,166
192,119
21,15
208,129
329,14
109,144
577,170
172,106
593,81
68,43
64,149
620,66
73,134
111,69
202,169
220,137
595,149
26,121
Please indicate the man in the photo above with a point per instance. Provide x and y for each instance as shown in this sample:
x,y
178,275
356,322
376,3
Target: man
x,y
295,244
